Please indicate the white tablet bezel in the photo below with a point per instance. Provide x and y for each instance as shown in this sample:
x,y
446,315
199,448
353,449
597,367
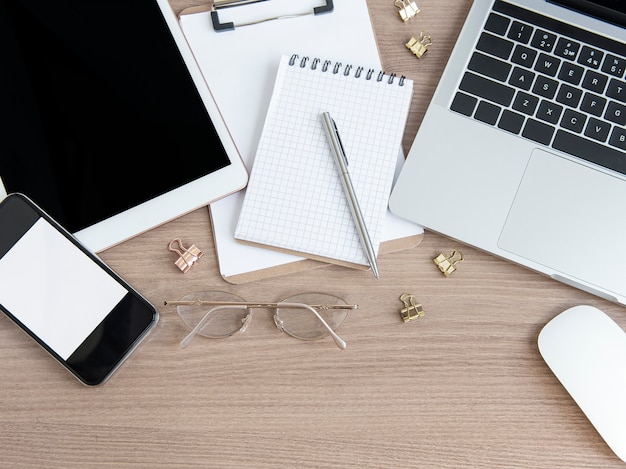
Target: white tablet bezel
x,y
186,198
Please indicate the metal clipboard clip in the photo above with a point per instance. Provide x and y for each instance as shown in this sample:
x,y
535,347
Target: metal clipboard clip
x,y
188,256
325,7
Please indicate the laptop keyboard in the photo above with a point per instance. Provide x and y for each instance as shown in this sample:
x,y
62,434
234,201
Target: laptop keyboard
x,y
548,82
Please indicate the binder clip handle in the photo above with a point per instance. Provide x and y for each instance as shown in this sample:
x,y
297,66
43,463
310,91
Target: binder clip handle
x,y
187,256
407,10
412,310
419,45
447,264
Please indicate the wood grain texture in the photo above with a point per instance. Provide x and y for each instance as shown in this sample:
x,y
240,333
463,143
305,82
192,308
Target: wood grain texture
x,y
464,386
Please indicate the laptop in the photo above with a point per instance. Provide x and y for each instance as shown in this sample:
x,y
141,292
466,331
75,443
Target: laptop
x,y
522,151
107,122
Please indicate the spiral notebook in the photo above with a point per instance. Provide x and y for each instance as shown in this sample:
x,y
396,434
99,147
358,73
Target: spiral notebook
x,y
295,201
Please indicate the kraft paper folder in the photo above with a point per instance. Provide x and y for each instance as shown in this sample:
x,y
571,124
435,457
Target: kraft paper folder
x,y
240,66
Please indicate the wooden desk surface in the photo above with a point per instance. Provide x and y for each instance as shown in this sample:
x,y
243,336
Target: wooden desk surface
x,y
464,386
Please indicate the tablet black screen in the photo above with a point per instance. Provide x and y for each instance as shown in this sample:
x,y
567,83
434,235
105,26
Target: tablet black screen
x,y
98,110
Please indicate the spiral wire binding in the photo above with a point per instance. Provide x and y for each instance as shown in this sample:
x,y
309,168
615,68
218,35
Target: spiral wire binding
x,y
326,65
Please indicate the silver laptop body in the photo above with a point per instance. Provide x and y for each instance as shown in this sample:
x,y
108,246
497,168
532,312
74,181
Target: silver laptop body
x,y
511,154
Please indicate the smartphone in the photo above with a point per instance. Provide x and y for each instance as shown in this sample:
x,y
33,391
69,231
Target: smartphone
x,y
67,299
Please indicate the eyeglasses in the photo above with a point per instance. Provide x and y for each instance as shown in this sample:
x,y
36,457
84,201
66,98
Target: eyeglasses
x,y
306,316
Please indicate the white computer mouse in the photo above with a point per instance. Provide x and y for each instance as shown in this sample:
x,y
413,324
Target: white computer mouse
x,y
586,350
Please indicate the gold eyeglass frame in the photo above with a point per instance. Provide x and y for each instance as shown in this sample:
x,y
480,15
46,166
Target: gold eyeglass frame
x,y
271,305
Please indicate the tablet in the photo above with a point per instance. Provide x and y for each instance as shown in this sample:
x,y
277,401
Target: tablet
x,y
107,123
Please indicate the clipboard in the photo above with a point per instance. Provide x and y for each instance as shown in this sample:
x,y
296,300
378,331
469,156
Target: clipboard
x,y
240,66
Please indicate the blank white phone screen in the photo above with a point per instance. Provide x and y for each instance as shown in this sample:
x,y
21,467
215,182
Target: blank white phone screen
x,y
54,289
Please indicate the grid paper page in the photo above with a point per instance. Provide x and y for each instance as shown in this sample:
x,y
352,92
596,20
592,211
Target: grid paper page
x,y
294,200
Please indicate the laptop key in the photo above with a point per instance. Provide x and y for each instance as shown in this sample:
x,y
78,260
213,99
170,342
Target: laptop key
x,y
594,81
547,64
526,103
571,73
590,151
593,104
487,113
511,121
590,57
522,78
497,24
549,112
617,90
543,40
489,66
520,32
487,89
597,129
538,131
545,87
566,48
494,45
618,138
523,56
614,66
569,95
616,112
573,120
463,104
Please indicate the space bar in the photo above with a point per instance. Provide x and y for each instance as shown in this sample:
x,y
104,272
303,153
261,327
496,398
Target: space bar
x,y
590,151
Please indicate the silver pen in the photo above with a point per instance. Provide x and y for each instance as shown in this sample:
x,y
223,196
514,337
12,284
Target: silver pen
x,y
341,162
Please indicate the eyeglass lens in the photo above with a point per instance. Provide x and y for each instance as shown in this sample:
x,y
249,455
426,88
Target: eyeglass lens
x,y
221,322
303,324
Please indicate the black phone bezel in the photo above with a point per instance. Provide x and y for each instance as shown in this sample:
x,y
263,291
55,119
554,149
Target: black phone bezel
x,y
123,328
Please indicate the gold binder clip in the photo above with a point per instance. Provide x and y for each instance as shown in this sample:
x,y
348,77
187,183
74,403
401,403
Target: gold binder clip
x,y
411,310
420,44
188,256
447,264
408,9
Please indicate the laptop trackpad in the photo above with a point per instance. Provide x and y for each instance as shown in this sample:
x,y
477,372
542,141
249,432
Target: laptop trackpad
x,y
562,218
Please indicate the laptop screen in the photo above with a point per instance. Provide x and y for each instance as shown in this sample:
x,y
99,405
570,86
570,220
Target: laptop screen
x,y
613,11
99,113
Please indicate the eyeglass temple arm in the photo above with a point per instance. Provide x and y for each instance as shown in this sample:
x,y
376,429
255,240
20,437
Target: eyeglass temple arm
x,y
206,318
247,304
338,340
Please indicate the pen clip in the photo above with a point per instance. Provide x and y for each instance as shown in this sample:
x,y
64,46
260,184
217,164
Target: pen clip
x,y
343,150
335,131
